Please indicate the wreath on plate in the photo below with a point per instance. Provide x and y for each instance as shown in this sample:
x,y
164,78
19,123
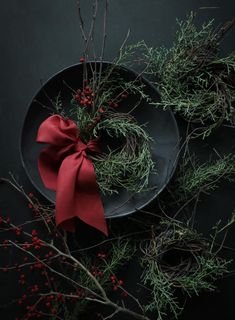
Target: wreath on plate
x,y
95,147
125,160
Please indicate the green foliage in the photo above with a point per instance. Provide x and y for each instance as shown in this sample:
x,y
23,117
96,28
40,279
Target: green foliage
x,y
163,299
195,268
218,230
130,164
192,79
209,269
193,178
132,55
119,253
112,85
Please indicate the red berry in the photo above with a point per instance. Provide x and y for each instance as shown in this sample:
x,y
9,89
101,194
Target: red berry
x,y
124,95
120,282
97,119
54,311
19,302
101,110
34,233
124,294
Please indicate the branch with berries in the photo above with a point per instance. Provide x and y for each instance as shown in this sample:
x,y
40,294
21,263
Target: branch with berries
x,y
53,280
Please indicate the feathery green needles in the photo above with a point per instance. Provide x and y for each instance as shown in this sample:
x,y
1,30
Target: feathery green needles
x,y
191,76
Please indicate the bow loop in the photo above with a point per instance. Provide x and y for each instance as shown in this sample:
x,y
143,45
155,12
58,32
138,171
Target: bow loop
x,y
57,131
65,168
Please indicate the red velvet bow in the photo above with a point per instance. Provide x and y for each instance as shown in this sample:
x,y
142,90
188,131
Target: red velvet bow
x,y
65,168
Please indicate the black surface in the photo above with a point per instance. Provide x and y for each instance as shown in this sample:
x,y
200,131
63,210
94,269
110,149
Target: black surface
x,y
39,38
160,125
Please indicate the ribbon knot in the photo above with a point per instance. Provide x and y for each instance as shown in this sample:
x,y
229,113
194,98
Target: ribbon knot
x,y
66,168
80,146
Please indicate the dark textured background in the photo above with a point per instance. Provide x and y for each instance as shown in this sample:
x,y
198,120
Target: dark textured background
x,y
38,38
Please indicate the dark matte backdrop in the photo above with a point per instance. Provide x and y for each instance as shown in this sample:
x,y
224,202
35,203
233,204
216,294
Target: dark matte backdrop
x,y
38,38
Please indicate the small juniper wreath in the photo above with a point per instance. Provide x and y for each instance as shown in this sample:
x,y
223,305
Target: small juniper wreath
x,y
125,160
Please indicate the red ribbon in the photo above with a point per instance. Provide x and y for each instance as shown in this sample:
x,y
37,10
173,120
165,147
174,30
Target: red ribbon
x,y
65,167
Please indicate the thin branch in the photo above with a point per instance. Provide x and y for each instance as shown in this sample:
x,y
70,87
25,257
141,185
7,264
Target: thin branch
x,y
104,39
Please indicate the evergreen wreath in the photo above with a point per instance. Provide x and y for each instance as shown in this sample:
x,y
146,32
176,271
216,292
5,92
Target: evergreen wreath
x,y
125,160
179,258
194,80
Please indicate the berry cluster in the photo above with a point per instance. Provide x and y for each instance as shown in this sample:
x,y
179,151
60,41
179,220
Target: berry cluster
x,y
117,284
86,96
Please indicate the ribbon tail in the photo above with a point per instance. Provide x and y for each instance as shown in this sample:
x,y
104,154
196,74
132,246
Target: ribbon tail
x,y
78,194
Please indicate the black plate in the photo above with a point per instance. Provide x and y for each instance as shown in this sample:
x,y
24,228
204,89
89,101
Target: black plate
x,y
160,125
